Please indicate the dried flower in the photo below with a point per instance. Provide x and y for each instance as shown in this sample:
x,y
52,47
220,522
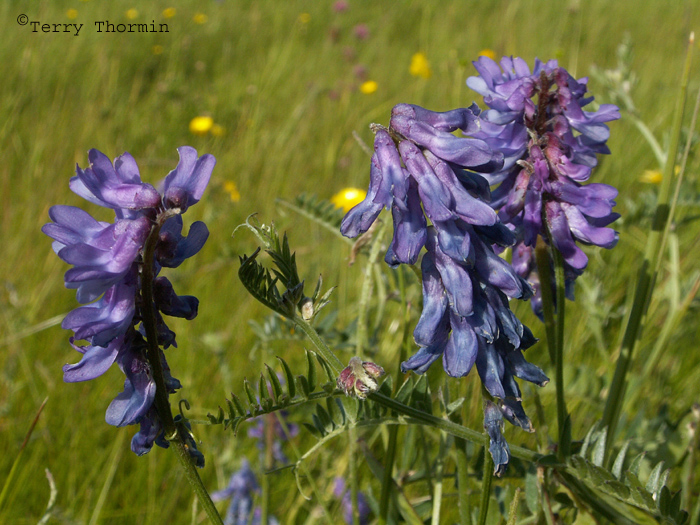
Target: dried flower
x,y
359,378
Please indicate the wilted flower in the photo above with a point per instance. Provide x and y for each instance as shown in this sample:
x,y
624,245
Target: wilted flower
x,y
359,378
550,145
108,263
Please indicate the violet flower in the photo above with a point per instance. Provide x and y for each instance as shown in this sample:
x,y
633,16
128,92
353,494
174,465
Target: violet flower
x,y
428,177
550,146
241,490
107,259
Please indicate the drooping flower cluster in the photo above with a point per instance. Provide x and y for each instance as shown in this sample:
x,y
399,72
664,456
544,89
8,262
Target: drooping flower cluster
x,y
422,171
549,145
108,267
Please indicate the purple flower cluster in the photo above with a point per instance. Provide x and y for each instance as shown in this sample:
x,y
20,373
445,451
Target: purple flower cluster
x,y
107,273
241,491
422,171
549,142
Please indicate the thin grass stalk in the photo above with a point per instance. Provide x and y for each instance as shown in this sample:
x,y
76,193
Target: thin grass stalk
x,y
439,471
15,464
648,270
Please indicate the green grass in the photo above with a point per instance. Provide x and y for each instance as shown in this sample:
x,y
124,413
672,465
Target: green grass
x,y
287,96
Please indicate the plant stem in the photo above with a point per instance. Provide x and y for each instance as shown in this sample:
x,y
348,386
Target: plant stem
x,y
352,458
161,397
485,487
462,481
554,325
448,426
647,271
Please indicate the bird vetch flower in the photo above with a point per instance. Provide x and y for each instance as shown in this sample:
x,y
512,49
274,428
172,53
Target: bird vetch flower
x,y
109,274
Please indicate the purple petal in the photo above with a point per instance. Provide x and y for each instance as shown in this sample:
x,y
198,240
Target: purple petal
x,y
472,153
359,219
437,200
96,361
462,348
184,186
105,319
432,325
561,236
409,230
583,230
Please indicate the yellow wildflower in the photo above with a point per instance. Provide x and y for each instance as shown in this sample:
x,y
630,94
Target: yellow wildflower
x,y
656,176
72,13
231,188
651,177
200,18
489,53
369,87
348,198
132,13
201,125
169,12
157,49
304,18
420,67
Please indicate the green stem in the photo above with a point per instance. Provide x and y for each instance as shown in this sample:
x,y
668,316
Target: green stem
x,y
366,291
562,414
320,344
448,426
485,487
161,401
387,482
462,481
352,455
269,428
554,326
439,472
647,272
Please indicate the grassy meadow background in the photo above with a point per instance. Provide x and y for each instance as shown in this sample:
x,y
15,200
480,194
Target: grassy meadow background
x,y
281,80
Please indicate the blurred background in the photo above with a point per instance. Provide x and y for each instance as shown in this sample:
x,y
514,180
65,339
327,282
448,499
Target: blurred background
x,y
275,91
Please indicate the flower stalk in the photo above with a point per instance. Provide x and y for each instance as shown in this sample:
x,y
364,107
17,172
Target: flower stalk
x,y
161,398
